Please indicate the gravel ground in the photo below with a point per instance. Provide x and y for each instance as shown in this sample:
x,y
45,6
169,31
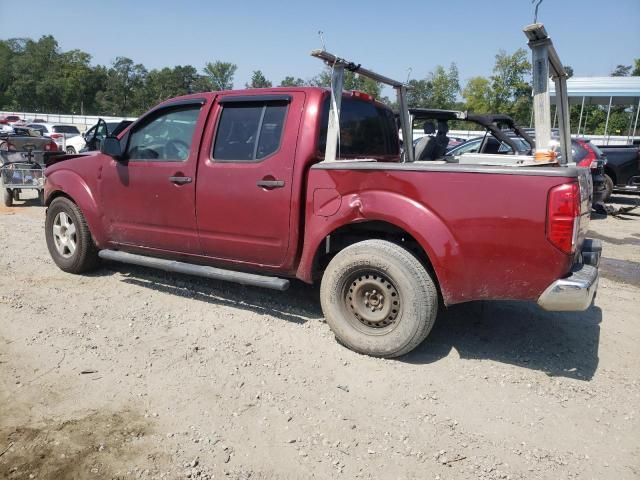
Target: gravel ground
x,y
134,373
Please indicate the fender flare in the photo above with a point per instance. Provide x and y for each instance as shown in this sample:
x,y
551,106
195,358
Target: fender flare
x,y
424,225
69,184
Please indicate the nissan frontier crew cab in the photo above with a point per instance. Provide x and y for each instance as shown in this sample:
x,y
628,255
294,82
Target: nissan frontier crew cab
x,y
233,185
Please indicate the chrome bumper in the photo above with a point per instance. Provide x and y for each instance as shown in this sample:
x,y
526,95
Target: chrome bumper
x,y
576,291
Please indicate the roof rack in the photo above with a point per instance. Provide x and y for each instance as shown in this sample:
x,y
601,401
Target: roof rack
x,y
338,66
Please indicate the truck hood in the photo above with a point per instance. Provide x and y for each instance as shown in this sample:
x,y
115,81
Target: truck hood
x,y
61,157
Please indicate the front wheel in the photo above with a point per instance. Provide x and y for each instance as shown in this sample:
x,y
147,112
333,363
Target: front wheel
x,y
71,150
378,298
68,238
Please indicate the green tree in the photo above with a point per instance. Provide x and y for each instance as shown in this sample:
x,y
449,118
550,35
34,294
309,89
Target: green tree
x,y
510,89
124,93
352,81
439,89
258,80
220,75
169,82
477,95
445,86
34,84
292,82
636,68
621,71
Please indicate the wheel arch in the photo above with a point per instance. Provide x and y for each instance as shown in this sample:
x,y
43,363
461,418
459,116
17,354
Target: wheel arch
x,y
67,184
385,216
351,233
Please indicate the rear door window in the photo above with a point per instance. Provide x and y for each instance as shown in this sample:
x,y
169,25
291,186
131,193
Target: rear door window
x,y
249,131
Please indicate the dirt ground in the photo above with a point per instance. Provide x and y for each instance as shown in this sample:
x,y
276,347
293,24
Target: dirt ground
x,y
134,373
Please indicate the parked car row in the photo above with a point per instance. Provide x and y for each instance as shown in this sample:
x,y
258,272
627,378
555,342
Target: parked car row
x,y
66,137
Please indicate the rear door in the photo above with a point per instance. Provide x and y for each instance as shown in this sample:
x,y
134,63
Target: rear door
x,y
148,198
243,192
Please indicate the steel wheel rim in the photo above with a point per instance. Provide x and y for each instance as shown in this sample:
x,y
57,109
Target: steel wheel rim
x,y
372,302
64,235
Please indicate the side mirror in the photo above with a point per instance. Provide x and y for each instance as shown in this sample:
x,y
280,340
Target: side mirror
x,y
111,146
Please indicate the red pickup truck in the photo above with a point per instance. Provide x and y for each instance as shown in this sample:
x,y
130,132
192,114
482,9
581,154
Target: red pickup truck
x,y
233,186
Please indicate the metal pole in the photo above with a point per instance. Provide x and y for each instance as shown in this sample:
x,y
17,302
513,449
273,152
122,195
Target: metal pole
x,y
531,120
333,129
635,125
584,130
606,125
555,115
581,110
630,122
562,102
541,101
405,124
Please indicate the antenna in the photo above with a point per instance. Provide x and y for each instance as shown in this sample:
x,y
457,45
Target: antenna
x,y
321,35
535,13
409,72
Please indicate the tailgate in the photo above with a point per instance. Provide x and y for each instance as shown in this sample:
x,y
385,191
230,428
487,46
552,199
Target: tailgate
x,y
585,182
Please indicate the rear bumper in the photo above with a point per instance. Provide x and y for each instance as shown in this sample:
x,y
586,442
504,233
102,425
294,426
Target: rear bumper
x,y
575,292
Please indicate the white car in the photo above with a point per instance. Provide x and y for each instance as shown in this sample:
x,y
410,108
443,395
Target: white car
x,y
75,144
58,132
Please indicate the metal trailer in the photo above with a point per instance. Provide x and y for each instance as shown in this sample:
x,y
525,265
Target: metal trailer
x,y
16,176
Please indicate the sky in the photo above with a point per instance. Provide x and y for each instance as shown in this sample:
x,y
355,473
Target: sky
x,y
277,36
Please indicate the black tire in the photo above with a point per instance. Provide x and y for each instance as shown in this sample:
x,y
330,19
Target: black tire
x,y
41,197
389,280
7,196
608,187
71,150
85,255
16,194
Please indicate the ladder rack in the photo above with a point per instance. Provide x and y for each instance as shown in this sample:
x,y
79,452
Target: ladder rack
x,y
338,66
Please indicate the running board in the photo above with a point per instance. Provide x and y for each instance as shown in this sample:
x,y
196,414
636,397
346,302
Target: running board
x,y
274,283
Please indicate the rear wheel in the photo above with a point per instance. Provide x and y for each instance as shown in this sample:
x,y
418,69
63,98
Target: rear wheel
x,y
7,197
608,187
68,237
378,299
71,150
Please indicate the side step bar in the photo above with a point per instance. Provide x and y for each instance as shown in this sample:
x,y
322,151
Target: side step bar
x,y
274,283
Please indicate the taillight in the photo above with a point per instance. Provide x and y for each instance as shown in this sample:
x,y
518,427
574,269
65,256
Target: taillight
x,y
362,95
563,213
51,147
591,159
55,135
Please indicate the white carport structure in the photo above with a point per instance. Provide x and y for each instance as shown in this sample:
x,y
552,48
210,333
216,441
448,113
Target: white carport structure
x,y
604,91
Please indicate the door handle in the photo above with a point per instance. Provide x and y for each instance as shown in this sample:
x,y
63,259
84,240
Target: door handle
x,y
180,180
269,184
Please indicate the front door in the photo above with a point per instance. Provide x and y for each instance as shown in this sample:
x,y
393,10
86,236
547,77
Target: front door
x,y
148,197
243,194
